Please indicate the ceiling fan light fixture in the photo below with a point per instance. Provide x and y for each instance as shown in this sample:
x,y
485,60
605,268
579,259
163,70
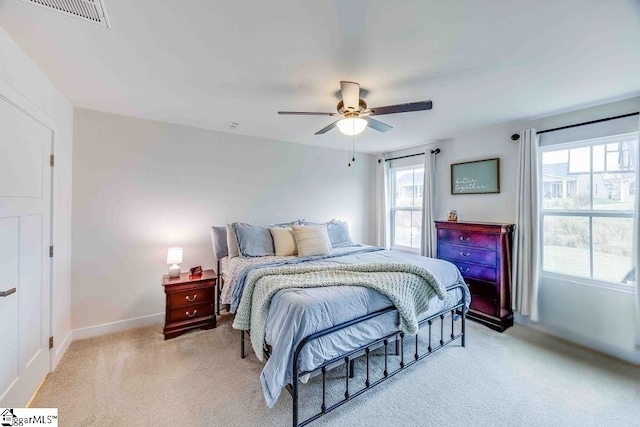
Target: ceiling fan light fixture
x,y
352,125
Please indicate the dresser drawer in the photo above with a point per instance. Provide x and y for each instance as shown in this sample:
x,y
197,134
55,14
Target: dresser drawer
x,y
482,288
191,312
467,254
475,271
466,238
485,305
190,297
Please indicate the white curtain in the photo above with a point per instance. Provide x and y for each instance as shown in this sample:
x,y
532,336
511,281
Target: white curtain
x,y
526,245
429,203
636,234
382,203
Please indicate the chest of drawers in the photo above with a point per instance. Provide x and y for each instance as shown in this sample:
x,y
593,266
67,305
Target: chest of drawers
x,y
482,253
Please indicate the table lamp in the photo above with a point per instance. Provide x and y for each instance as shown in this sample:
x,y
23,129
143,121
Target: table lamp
x,y
174,257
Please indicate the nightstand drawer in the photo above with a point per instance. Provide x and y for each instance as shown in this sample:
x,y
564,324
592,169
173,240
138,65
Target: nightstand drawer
x,y
191,312
475,271
190,297
467,254
468,238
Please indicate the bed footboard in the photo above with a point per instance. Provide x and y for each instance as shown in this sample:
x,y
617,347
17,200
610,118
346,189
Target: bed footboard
x,y
435,323
437,320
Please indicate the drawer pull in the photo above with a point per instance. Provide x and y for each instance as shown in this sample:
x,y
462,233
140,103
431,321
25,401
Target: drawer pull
x,y
466,270
192,299
465,255
465,239
191,314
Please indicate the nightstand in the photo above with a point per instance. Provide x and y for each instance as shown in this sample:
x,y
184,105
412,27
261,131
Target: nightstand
x,y
190,303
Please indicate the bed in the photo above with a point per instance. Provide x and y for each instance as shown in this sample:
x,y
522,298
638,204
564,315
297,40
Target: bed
x,y
310,327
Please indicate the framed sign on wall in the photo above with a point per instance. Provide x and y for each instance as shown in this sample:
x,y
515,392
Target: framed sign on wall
x,y
477,177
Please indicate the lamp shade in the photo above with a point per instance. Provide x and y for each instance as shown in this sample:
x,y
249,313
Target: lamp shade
x,y
352,125
174,256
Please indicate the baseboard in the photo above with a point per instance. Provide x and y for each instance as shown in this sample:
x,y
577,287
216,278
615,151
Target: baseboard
x,y
628,356
59,350
120,325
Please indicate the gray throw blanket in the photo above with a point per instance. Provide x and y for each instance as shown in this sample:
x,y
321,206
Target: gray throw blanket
x,y
407,286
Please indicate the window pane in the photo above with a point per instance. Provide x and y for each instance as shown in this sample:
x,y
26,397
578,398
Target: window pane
x,y
560,188
403,188
418,183
566,245
612,248
580,160
416,229
598,158
402,228
614,191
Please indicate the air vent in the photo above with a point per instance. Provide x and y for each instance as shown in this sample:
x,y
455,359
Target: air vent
x,y
88,10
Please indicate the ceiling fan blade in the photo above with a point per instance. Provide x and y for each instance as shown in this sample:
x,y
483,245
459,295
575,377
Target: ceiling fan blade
x,y
350,95
306,113
401,108
377,124
327,128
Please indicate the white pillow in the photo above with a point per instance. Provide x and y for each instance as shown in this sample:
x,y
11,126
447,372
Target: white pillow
x,y
284,241
312,240
232,242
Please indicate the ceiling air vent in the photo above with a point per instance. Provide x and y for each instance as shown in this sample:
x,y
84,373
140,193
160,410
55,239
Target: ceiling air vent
x,y
88,10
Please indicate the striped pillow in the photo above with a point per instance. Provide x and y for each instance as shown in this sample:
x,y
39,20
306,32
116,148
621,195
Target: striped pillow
x,y
312,240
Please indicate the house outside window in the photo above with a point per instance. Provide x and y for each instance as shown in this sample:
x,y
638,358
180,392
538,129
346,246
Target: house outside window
x,y
407,184
587,227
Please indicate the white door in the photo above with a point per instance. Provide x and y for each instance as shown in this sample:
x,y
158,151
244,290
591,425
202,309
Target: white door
x,y
25,236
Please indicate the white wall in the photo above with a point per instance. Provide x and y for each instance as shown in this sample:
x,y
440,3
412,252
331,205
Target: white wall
x,y
599,318
19,72
142,186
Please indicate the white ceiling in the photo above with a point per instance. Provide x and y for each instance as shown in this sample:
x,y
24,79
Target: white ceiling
x,y
205,63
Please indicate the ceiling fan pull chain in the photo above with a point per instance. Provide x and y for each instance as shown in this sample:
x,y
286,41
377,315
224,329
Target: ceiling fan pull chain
x,y
353,148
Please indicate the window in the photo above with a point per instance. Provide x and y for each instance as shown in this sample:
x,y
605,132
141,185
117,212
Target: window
x,y
406,207
589,234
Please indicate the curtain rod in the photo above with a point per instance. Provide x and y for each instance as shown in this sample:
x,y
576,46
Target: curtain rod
x,y
435,151
516,136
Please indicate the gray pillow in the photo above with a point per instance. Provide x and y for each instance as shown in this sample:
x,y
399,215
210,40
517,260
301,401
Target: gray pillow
x,y
256,240
338,232
219,241
339,235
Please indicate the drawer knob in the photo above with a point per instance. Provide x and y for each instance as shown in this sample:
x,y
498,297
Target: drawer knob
x,y
466,270
465,255
191,314
191,299
465,239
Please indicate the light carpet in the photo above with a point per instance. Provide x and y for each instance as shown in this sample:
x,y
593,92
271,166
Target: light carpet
x,y
520,377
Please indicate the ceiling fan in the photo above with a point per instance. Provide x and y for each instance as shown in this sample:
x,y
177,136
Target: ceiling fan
x,y
355,114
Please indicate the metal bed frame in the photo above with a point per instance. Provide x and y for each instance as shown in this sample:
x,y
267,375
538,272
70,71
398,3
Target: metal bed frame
x,y
457,312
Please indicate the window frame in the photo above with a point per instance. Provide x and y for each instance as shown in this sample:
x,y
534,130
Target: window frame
x,y
589,213
393,209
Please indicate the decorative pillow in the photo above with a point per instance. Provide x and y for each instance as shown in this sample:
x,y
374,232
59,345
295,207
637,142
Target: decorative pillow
x,y
255,240
338,232
232,242
284,241
339,235
312,240
219,241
